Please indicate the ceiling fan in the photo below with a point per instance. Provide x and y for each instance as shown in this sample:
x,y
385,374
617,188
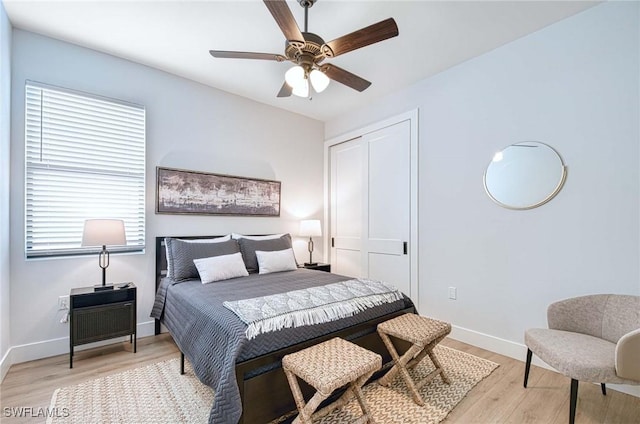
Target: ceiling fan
x,y
308,50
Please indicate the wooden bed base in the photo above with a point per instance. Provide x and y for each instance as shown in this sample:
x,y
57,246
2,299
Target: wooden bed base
x,y
267,396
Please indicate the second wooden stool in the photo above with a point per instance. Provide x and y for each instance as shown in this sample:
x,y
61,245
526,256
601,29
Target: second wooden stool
x,y
424,334
328,366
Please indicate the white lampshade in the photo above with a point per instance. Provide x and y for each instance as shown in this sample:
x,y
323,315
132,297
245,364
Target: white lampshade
x,y
295,76
310,228
104,232
319,80
297,80
301,90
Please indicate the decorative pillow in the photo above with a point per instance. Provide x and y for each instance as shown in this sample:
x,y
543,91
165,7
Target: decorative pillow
x,y
218,268
248,248
276,261
204,240
181,253
267,237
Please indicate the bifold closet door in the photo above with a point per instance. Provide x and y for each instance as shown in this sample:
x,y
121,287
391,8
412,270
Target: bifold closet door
x,y
370,206
386,215
346,208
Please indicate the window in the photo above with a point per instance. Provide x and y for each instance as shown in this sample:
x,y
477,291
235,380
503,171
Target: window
x,y
85,158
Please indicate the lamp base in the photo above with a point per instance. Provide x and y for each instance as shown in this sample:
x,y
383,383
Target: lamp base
x,y
100,287
310,263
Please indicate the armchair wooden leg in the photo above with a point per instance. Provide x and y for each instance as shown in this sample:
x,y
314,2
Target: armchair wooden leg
x,y
604,389
573,400
527,367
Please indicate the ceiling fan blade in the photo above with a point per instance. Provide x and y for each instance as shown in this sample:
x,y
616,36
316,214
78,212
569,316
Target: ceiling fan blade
x,y
247,55
285,91
345,77
361,38
285,20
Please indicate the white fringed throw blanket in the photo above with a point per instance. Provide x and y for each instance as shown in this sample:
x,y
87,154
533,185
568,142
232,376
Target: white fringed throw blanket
x,y
315,305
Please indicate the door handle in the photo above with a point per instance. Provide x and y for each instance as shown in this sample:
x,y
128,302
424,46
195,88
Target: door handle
x,y
404,247
333,242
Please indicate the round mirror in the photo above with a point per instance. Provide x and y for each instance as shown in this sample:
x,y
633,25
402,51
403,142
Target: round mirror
x,y
524,175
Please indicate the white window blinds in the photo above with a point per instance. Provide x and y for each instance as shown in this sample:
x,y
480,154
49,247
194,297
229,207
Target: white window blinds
x,y
85,158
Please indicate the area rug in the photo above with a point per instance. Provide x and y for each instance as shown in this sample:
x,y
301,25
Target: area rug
x,y
157,393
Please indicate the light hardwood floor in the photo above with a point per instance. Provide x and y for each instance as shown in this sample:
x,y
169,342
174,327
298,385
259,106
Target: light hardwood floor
x,y
499,398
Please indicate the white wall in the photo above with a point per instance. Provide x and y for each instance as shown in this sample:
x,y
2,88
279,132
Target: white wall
x,y
574,85
5,116
189,126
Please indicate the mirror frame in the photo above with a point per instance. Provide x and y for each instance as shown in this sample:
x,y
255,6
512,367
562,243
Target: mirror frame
x,y
551,195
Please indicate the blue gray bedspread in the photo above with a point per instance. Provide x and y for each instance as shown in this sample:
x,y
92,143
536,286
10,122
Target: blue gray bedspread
x,y
213,338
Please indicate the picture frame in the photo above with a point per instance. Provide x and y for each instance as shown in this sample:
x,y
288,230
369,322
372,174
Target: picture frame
x,y
180,191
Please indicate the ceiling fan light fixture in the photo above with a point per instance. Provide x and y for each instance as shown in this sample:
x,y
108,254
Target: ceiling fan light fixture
x,y
295,76
319,80
301,90
307,50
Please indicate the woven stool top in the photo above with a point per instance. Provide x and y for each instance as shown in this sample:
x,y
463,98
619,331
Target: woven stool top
x,y
332,364
415,329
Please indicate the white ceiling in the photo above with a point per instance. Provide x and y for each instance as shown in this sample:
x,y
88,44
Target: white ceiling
x,y
176,35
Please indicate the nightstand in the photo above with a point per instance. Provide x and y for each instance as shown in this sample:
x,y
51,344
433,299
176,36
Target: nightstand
x,y
101,315
319,266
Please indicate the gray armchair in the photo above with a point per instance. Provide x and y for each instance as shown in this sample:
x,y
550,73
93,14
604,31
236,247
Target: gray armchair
x,y
592,338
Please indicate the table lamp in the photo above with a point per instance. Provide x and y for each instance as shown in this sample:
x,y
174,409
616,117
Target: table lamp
x,y
104,232
310,228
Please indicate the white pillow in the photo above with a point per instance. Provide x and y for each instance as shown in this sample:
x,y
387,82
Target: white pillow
x,y
237,236
276,261
218,268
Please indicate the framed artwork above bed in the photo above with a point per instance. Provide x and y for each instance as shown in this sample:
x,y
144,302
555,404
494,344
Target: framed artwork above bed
x,y
180,191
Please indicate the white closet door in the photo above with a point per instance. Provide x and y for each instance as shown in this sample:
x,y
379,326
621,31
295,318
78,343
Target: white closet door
x,y
387,209
370,211
346,208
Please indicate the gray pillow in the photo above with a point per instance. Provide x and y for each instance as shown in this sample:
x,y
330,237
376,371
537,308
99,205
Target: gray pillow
x,y
181,253
248,248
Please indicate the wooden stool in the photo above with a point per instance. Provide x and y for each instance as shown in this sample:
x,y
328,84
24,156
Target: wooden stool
x,y
328,366
424,334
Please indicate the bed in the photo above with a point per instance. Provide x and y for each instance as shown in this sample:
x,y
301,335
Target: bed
x,y
245,373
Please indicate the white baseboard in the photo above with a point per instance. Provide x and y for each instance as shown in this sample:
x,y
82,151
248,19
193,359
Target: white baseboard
x,y
517,351
5,363
53,347
630,390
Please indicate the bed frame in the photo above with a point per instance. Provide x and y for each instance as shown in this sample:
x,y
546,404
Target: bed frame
x,y
267,396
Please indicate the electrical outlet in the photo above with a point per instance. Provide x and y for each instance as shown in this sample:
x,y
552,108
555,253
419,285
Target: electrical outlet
x,y
453,295
63,302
